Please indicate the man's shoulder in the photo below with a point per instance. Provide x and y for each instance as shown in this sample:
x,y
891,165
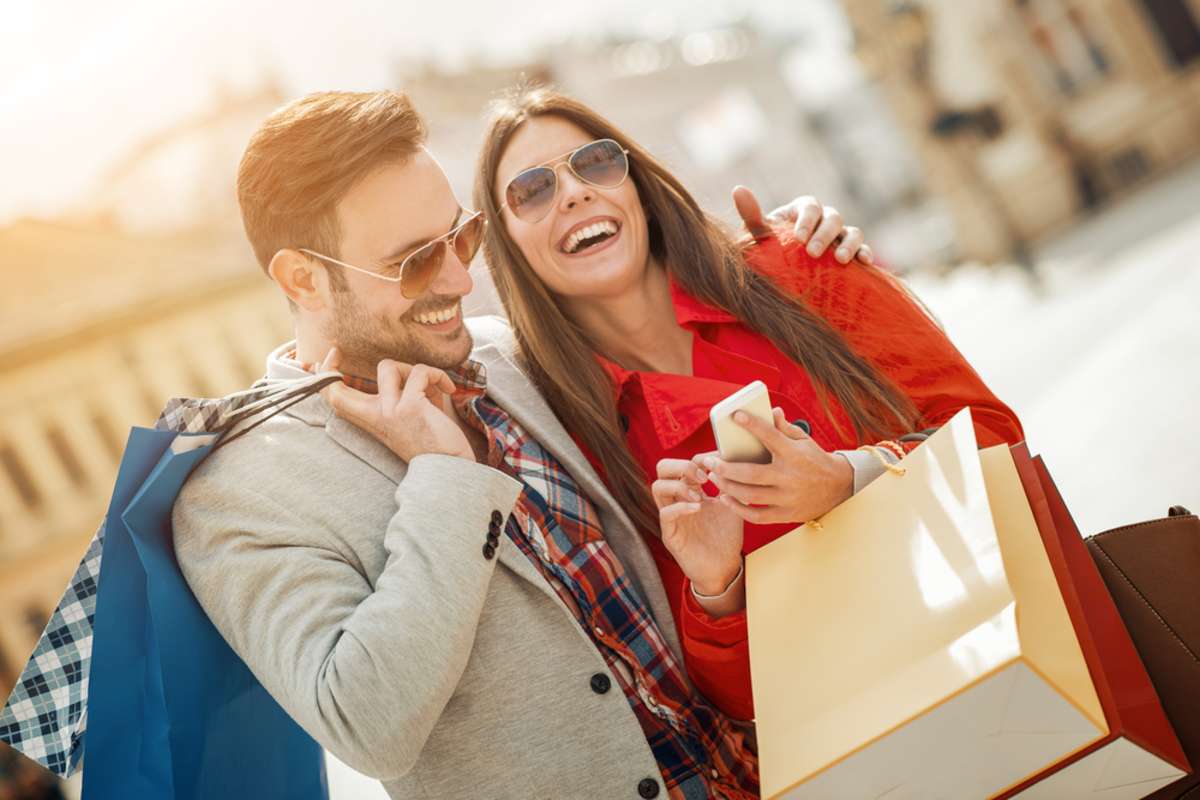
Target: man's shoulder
x,y
273,460
490,330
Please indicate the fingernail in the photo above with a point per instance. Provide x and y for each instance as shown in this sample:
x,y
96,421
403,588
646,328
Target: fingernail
x,y
814,249
693,495
739,416
843,255
710,463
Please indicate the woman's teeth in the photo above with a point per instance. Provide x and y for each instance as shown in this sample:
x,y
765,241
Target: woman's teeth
x,y
603,229
437,317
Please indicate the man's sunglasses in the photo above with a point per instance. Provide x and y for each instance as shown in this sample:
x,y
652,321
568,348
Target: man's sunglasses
x,y
530,195
420,267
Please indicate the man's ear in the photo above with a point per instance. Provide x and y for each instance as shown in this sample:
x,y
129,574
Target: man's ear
x,y
301,278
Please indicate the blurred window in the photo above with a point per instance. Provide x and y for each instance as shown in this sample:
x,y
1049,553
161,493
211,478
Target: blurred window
x,y
1177,28
15,471
1070,55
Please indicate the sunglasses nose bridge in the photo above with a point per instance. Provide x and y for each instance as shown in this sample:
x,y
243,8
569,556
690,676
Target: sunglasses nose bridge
x,y
567,188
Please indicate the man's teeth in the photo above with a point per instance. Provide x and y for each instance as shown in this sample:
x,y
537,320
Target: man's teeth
x,y
604,227
437,317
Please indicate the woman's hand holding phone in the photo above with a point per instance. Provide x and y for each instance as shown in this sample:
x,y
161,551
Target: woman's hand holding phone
x,y
802,482
703,535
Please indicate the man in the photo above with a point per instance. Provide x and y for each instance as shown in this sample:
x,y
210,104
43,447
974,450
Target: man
x,y
420,566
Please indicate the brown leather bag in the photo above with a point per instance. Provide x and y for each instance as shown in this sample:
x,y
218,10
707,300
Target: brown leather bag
x,y
1152,570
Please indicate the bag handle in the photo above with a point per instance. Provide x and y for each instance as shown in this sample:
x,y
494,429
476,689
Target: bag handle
x,y
289,398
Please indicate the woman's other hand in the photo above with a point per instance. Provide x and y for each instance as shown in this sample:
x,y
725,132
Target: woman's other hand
x,y
703,535
802,482
820,226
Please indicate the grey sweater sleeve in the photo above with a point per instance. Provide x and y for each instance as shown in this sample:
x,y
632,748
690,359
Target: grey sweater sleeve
x,y
867,467
366,670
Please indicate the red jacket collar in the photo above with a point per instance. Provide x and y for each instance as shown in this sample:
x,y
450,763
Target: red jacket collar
x,y
679,404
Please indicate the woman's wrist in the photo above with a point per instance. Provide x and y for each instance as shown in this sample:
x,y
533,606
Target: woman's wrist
x,y
730,599
719,583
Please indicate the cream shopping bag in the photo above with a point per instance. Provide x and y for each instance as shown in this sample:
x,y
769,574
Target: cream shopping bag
x,y
916,645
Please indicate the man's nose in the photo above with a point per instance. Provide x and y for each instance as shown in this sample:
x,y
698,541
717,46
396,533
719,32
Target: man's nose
x,y
453,276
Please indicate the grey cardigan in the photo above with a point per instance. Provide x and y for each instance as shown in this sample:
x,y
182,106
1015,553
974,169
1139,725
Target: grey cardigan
x,y
356,588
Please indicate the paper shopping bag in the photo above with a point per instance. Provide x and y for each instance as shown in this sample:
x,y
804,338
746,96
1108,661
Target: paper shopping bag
x,y
1152,570
1141,753
130,673
916,644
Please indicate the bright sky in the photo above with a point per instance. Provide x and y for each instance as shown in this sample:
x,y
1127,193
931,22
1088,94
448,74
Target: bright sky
x,y
81,83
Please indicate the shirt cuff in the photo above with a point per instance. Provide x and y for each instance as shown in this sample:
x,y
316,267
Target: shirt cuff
x,y
700,627
866,466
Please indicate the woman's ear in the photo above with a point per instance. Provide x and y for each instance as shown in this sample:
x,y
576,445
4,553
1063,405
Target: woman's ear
x,y
299,276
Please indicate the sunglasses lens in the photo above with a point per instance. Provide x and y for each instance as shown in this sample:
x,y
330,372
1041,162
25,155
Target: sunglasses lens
x,y
420,268
530,194
468,239
601,163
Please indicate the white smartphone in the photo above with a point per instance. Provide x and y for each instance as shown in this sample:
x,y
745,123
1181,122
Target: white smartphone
x,y
734,442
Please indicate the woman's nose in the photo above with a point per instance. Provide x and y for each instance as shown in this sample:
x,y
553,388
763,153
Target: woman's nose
x,y
571,190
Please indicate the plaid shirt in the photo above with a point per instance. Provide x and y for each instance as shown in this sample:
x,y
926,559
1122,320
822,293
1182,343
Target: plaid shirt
x,y
699,752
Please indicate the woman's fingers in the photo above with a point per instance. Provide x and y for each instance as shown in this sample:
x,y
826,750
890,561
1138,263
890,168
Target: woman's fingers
x,y
667,491
673,513
744,472
389,378
847,248
866,255
352,405
747,493
829,229
756,516
332,361
765,432
681,469
786,428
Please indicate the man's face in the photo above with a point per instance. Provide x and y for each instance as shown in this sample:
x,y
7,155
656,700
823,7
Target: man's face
x,y
389,214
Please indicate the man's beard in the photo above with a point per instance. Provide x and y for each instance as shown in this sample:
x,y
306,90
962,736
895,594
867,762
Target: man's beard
x,y
364,340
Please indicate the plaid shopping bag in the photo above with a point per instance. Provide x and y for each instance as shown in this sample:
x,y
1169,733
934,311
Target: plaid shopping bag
x,y
129,658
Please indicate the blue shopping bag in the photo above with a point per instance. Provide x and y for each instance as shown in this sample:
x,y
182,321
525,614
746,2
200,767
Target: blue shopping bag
x,y
172,713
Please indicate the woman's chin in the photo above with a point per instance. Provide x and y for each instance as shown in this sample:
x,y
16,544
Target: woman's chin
x,y
603,276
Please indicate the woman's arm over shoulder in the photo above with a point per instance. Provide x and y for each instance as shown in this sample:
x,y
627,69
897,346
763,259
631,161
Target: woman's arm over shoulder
x,y
886,324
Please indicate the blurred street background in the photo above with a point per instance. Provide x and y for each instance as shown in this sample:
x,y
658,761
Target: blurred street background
x,y
1029,166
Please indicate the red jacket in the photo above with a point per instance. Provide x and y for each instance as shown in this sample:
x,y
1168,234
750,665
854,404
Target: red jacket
x,y
667,414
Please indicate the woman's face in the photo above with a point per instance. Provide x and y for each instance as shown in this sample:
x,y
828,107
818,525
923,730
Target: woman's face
x,y
607,261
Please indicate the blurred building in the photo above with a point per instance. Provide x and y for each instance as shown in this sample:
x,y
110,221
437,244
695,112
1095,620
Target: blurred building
x,y
1027,114
147,292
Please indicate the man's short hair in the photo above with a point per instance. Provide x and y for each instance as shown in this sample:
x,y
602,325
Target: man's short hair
x,y
308,154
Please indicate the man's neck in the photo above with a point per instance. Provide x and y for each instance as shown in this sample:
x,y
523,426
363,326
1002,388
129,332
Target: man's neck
x,y
637,329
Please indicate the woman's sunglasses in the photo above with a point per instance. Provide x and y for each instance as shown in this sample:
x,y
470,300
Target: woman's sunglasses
x,y
530,195
420,267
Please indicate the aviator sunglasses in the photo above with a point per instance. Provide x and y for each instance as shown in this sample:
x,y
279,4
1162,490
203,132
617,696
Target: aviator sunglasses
x,y
530,195
418,269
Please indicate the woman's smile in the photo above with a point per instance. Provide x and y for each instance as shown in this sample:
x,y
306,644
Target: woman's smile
x,y
590,236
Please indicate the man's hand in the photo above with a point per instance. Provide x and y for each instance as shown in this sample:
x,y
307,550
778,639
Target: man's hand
x,y
802,482
410,416
703,535
818,225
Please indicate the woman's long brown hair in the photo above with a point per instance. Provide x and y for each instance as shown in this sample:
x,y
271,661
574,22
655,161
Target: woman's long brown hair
x,y
704,259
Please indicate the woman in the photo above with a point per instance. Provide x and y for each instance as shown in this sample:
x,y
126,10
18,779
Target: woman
x,y
636,312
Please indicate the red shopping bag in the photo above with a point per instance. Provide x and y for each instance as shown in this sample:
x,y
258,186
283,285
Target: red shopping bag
x,y
1141,752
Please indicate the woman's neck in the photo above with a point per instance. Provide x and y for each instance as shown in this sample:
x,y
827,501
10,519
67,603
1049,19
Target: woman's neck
x,y
637,328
